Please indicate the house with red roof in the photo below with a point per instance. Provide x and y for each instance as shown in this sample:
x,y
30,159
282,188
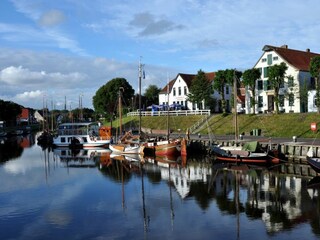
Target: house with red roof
x,y
178,90
289,94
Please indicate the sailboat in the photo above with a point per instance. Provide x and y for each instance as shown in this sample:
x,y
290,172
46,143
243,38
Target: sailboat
x,y
125,146
250,152
166,147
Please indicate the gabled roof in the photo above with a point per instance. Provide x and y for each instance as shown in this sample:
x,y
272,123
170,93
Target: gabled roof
x,y
188,79
298,59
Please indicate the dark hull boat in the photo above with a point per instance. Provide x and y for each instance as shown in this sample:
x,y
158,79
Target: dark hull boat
x,y
314,162
241,156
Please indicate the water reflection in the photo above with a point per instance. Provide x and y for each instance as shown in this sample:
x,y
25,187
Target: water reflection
x,y
151,197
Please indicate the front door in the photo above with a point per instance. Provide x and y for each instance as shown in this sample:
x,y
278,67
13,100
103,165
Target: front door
x,y
270,103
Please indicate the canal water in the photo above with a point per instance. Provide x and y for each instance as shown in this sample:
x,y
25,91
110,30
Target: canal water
x,y
92,194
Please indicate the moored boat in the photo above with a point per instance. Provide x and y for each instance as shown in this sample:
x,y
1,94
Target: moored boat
x,y
84,134
245,156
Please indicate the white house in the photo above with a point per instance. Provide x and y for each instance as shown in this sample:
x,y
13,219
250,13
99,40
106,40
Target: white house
x,y
178,90
289,94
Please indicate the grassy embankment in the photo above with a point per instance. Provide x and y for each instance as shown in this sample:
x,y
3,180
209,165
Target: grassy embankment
x,y
271,125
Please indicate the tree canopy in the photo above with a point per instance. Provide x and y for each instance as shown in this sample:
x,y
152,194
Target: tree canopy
x,y
9,111
106,98
200,89
152,95
223,78
276,76
315,72
250,77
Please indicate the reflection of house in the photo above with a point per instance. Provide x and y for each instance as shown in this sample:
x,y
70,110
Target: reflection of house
x,y
179,88
289,94
182,177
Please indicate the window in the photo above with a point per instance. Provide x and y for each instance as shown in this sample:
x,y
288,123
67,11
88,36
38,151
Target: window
x,y
260,70
275,58
269,56
179,91
291,99
312,83
266,85
174,91
281,100
185,90
263,60
260,101
260,85
265,72
290,81
227,89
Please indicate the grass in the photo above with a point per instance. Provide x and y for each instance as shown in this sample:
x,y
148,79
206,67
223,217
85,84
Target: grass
x,y
271,125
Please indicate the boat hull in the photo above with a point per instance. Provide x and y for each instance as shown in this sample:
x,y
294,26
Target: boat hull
x,y
125,148
314,162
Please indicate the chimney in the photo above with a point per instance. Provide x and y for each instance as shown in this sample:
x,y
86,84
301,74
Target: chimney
x,y
308,50
284,46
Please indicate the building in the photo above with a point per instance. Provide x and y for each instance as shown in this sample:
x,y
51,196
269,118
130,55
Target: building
x,y
178,90
289,94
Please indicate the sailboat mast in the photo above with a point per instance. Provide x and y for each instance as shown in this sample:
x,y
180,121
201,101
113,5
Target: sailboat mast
x,y
120,112
140,76
235,94
168,127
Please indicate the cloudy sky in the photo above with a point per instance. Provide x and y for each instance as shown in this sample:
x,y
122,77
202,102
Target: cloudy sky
x,y
53,49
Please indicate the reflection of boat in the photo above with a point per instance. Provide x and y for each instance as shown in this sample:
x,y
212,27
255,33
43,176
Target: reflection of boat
x,y
245,156
127,157
81,135
82,157
314,183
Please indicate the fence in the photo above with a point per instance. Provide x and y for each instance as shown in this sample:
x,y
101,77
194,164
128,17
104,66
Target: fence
x,y
171,113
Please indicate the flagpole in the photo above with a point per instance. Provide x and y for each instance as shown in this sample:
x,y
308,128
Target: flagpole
x,y
140,72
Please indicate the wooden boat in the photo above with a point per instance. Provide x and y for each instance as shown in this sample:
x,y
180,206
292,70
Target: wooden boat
x,y
77,135
242,156
314,162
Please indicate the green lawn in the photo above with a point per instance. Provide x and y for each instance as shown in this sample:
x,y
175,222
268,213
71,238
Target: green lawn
x,y
271,125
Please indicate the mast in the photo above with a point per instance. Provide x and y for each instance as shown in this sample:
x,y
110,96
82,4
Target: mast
x,y
140,76
235,94
168,131
120,112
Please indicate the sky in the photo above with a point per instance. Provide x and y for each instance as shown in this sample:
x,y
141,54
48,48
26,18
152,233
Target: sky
x,y
67,49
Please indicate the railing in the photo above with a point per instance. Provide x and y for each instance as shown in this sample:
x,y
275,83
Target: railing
x,y
171,113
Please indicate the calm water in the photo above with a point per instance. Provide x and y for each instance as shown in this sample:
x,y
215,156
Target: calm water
x,y
90,195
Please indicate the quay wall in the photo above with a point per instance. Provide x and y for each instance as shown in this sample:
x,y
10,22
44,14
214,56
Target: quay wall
x,y
291,151
293,154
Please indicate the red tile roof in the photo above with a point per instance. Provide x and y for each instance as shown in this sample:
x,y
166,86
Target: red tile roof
x,y
188,79
298,59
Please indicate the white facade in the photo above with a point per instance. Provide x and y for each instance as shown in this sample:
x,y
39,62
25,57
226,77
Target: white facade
x,y
265,95
178,94
289,93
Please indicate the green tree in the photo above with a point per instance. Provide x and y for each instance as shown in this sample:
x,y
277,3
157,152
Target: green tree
x,y
9,112
276,76
106,98
250,78
152,95
315,72
221,80
200,89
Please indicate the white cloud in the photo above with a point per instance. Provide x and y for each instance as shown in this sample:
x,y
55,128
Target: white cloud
x,y
51,18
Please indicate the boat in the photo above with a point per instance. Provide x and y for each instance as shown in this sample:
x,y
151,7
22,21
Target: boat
x,y
126,144
313,161
245,156
81,135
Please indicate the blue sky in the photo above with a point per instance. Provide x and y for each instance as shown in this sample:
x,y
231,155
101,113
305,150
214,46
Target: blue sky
x,y
53,49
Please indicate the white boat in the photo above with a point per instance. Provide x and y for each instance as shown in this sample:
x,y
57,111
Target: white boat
x,y
84,135
126,148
